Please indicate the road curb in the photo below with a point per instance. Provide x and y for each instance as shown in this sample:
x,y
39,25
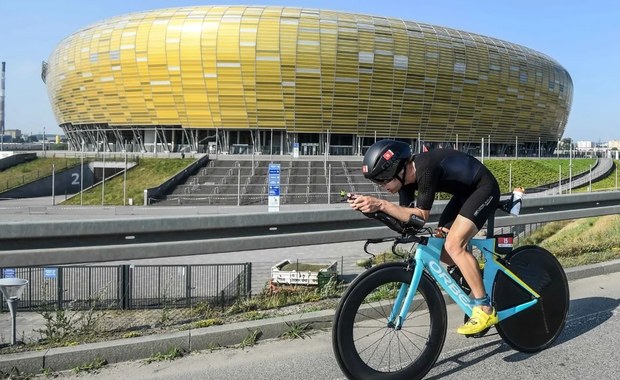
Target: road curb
x,y
64,358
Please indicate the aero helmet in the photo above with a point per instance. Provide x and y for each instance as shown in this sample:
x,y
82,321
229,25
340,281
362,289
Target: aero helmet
x,y
385,159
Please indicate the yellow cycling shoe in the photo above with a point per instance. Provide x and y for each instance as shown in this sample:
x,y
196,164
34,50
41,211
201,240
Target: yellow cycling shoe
x,y
478,322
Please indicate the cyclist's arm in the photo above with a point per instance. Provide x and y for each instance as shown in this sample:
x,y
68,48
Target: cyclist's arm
x,y
367,203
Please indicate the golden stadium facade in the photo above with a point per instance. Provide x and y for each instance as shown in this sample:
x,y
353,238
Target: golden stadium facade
x,y
237,78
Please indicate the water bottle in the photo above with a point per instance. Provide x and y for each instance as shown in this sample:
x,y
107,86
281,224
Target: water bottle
x,y
515,200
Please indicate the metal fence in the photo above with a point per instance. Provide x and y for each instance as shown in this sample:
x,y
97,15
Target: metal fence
x,y
130,286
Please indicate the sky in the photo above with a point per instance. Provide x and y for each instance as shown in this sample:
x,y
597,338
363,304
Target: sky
x,y
583,36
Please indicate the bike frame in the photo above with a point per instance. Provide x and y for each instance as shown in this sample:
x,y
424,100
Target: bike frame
x,y
427,257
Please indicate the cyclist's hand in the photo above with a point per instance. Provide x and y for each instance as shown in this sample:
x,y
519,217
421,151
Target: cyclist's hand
x,y
441,232
365,203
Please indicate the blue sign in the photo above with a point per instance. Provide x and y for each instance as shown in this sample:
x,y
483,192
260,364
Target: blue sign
x,y
50,273
9,273
274,169
274,187
274,190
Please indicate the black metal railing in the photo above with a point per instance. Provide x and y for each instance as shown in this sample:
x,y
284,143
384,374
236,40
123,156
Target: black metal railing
x,y
130,286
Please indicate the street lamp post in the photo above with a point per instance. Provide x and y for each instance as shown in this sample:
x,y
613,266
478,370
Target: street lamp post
x,y
570,169
516,147
53,185
329,184
489,146
125,180
103,181
12,289
82,176
560,180
510,177
239,185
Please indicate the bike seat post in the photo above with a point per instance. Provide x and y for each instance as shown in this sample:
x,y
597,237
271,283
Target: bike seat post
x,y
491,226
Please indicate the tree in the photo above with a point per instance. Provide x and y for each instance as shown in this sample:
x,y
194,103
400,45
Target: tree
x,y
565,143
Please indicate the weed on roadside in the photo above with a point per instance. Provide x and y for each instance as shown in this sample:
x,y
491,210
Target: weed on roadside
x,y
207,323
251,339
174,353
14,374
93,366
297,330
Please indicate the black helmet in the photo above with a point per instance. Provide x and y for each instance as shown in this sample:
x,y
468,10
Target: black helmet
x,y
385,159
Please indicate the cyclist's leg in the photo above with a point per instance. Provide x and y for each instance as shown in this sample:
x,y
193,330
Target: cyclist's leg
x,y
472,216
483,316
447,217
477,208
461,232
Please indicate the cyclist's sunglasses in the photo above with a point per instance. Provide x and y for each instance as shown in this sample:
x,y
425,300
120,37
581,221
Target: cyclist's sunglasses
x,y
381,181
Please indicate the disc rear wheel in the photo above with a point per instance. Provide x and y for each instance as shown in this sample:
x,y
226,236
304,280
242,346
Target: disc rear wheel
x,y
537,327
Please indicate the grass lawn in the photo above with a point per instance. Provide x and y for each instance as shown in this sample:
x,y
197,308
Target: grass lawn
x,y
580,242
33,170
151,172
534,172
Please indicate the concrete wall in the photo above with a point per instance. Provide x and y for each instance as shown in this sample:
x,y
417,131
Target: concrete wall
x,y
65,182
10,160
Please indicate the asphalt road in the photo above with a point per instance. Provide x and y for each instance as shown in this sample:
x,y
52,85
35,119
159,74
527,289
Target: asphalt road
x,y
585,350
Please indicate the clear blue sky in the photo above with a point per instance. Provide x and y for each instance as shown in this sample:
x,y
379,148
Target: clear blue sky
x,y
583,36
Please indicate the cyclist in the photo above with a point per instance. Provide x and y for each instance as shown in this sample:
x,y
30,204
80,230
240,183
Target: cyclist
x,y
475,195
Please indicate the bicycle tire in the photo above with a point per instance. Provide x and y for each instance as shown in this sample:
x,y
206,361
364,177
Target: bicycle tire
x,y
536,328
361,319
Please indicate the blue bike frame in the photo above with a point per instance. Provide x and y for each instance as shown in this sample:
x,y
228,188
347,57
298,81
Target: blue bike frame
x,y
427,257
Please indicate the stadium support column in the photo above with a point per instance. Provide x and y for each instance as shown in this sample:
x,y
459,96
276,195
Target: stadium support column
x,y
516,147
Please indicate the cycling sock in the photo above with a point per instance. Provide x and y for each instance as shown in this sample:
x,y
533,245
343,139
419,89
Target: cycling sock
x,y
484,301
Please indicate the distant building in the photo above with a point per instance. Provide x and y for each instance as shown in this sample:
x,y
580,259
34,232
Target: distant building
x,y
14,133
582,145
613,144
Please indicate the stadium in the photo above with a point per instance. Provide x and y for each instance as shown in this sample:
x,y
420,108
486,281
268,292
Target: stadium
x,y
283,80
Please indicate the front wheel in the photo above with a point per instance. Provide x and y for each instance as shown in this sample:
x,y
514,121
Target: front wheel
x,y
368,347
537,327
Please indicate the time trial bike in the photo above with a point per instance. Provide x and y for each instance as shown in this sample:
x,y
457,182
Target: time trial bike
x,y
391,322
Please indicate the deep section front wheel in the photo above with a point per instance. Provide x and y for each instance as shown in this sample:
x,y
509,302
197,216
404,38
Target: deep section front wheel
x,y
536,328
367,346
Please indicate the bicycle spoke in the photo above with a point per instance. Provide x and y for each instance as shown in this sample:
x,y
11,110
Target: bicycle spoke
x,y
415,335
397,346
371,333
376,344
369,346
